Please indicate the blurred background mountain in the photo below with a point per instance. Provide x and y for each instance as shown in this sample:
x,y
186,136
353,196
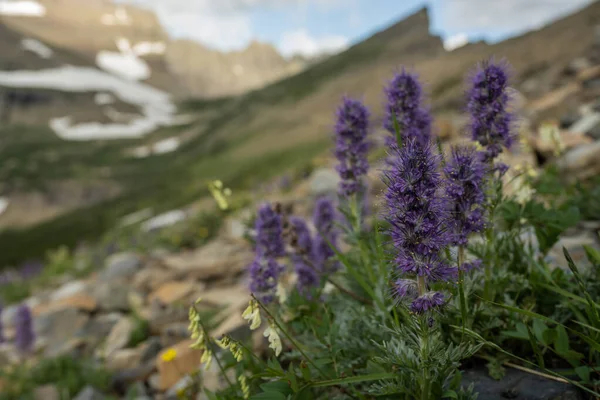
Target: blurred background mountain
x,y
178,111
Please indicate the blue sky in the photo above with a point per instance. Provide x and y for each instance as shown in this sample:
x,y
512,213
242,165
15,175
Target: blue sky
x,y
312,26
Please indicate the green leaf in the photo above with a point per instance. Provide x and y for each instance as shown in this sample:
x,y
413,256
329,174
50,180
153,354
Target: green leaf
x,y
584,373
450,394
561,344
354,379
305,371
593,255
269,396
277,386
539,328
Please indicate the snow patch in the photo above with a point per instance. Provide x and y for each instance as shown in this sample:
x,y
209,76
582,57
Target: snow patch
x,y
3,204
23,8
456,41
161,147
37,47
166,145
127,66
103,99
145,48
156,105
163,220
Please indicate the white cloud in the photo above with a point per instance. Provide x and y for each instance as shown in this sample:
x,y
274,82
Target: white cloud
x,y
455,41
300,42
505,15
221,24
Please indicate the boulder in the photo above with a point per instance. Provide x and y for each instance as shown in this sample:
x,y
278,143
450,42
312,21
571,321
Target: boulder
x,y
121,266
582,162
186,361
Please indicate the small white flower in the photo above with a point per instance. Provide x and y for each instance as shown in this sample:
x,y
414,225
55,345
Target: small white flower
x,y
274,339
281,293
252,314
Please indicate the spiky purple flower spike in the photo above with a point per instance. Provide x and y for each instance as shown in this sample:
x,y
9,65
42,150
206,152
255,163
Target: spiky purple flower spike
x,y
417,213
264,270
465,174
351,145
324,218
488,98
24,336
405,101
303,256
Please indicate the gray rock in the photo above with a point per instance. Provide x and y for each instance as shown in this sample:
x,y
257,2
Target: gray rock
x,y
574,245
324,181
55,327
581,162
89,393
586,124
119,336
69,289
519,385
153,348
112,296
122,266
97,329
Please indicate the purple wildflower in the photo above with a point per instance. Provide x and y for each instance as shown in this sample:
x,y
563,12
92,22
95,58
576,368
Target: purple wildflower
x,y
24,336
464,187
264,270
264,274
417,212
427,301
488,99
405,288
471,265
269,232
302,256
351,145
324,218
405,102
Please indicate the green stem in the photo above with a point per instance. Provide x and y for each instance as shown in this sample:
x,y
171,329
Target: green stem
x,y
461,287
210,339
425,360
287,335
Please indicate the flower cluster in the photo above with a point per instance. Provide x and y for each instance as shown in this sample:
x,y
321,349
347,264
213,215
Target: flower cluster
x,y
302,257
405,108
234,347
199,336
265,270
417,214
351,145
490,120
465,175
324,218
24,336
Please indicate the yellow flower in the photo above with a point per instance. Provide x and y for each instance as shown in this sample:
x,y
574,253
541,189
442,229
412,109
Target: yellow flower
x,y
219,194
244,384
252,314
169,355
274,339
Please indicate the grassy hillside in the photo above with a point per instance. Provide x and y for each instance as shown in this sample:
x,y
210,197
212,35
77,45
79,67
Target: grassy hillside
x,y
244,139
